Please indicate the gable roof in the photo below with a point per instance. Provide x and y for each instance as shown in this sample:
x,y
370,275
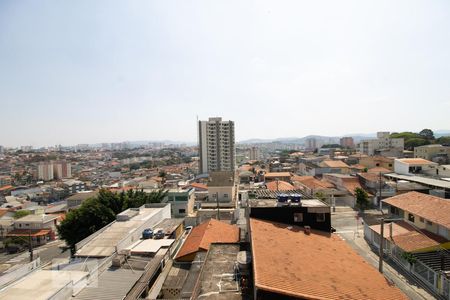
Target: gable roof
x,y
279,185
199,186
211,231
415,161
316,266
432,208
313,183
409,238
277,174
334,164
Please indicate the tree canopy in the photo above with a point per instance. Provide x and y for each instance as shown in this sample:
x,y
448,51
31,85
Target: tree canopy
x,y
362,198
97,212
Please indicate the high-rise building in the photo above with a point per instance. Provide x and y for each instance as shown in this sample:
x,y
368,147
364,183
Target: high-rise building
x,y
312,144
45,171
216,145
254,153
347,142
62,169
382,144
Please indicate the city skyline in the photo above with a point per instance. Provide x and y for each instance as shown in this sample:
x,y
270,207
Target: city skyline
x,y
92,72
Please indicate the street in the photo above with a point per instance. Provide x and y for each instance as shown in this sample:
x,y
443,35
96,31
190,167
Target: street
x,y
46,253
351,229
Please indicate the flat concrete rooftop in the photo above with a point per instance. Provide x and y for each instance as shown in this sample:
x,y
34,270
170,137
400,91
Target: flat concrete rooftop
x,y
104,244
217,280
41,284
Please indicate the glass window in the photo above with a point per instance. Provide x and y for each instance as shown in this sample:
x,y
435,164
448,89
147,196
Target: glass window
x,y
298,217
320,217
411,217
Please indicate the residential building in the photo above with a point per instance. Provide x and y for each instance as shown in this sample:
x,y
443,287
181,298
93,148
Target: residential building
x,y
221,186
377,161
216,145
120,234
75,200
203,235
347,142
254,153
273,176
434,186
312,144
40,227
423,211
73,186
62,169
409,166
181,202
416,237
298,262
221,259
436,153
45,171
383,144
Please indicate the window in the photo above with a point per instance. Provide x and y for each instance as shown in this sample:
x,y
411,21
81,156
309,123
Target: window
x,y
181,211
298,217
320,217
225,195
429,223
411,218
422,220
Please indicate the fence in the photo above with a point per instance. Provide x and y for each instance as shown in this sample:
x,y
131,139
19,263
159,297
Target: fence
x,y
426,275
20,272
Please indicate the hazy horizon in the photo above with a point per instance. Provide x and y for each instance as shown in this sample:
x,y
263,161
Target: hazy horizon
x,y
109,71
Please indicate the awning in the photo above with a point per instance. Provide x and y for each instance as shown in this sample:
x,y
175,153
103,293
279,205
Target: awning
x,y
26,232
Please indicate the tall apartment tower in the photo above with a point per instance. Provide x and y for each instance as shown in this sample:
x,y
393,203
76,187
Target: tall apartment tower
x,y
45,171
62,169
216,145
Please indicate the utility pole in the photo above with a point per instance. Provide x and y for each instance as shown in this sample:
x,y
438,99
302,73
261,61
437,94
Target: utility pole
x,y
380,263
380,253
30,245
218,209
379,193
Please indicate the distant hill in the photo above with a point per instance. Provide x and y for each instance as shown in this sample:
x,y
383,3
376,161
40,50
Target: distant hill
x,y
357,137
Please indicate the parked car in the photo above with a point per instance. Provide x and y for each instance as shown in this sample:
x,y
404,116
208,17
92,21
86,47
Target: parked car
x,y
188,228
147,234
158,234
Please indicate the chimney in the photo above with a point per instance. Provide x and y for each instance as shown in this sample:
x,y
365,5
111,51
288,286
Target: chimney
x,y
307,230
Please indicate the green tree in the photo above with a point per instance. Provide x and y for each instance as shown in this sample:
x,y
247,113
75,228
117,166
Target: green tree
x,y
21,213
443,140
362,198
320,195
98,212
427,134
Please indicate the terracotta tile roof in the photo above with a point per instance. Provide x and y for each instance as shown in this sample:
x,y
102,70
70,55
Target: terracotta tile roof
x,y
315,266
434,209
358,167
408,238
279,185
277,174
199,186
26,232
416,161
371,176
351,184
5,188
313,183
335,164
211,231
378,170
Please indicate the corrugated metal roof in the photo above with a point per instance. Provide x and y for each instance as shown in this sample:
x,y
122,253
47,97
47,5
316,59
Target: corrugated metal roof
x,y
112,284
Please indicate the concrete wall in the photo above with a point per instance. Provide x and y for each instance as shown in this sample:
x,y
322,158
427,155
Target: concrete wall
x,y
229,191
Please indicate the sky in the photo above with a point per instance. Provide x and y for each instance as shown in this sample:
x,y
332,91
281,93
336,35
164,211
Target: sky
x,y
109,71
